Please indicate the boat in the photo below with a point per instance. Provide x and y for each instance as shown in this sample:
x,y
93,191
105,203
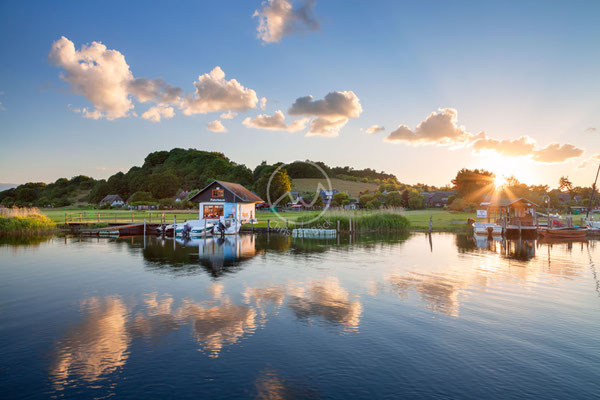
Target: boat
x,y
563,233
487,228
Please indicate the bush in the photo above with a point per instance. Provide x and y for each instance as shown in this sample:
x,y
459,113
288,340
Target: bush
x,y
20,221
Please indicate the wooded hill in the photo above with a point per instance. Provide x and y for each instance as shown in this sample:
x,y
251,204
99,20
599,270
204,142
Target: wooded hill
x,y
165,173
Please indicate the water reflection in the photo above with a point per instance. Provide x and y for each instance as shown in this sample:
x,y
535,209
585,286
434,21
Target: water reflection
x,y
95,347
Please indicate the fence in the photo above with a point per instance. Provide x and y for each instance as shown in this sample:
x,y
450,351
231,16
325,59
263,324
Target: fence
x,y
91,217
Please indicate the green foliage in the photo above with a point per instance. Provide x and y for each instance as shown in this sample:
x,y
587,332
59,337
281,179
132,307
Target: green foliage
x,y
374,204
31,224
141,197
279,184
394,199
473,184
339,198
416,201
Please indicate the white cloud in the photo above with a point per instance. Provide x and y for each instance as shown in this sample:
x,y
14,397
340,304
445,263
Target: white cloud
x,y
278,18
522,146
156,90
556,153
375,129
87,113
275,122
228,115
155,113
438,128
101,75
263,103
332,112
216,126
215,93
592,161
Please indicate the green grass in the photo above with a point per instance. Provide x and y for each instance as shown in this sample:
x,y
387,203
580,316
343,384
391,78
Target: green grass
x,y
364,221
350,187
443,221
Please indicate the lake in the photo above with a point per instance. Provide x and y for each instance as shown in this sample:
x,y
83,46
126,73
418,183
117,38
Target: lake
x,y
269,316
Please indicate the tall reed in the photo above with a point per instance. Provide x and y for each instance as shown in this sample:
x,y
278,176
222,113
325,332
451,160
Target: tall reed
x,y
24,221
383,220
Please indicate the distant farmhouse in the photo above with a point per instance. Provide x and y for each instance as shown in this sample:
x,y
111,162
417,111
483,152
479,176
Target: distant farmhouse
x,y
327,195
112,199
438,198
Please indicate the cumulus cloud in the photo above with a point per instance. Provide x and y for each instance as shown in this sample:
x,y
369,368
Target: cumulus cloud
x,y
155,113
556,153
104,78
593,160
523,146
278,18
100,74
216,126
275,122
228,115
332,112
87,113
215,93
375,129
440,128
263,103
156,90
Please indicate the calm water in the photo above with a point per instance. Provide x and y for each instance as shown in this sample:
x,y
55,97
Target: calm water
x,y
276,317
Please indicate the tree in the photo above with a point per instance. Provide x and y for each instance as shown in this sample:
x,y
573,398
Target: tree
x,y
373,204
473,185
98,192
416,201
565,185
393,199
163,185
338,198
279,185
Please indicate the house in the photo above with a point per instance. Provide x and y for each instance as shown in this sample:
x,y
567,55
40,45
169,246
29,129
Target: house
x,y
112,199
327,195
226,199
438,198
182,196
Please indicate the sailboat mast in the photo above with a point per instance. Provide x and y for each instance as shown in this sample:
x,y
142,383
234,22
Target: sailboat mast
x,y
593,194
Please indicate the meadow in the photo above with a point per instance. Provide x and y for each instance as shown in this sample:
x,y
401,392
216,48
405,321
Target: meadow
x,y
443,220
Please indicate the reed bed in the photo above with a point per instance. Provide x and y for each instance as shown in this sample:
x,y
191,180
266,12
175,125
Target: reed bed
x,y
384,220
24,221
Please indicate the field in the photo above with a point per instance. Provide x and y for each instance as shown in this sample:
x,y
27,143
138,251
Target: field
x,y
419,219
350,187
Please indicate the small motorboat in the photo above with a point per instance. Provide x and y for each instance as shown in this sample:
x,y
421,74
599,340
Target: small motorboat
x,y
563,233
487,228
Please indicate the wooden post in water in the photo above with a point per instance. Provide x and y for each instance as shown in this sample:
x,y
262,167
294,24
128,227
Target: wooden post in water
x,y
268,225
430,223
338,226
350,224
144,228
204,231
287,225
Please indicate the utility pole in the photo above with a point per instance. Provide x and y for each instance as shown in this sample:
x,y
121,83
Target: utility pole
x,y
587,215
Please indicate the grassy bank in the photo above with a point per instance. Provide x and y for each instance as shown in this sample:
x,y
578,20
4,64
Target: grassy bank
x,y
364,221
24,221
443,220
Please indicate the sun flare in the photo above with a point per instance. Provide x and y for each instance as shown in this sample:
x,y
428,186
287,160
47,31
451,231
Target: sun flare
x,y
499,181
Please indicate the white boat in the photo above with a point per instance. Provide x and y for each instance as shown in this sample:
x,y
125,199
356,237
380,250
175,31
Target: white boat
x,y
192,227
484,228
227,226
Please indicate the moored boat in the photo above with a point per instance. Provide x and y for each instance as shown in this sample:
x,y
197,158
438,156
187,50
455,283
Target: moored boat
x,y
563,233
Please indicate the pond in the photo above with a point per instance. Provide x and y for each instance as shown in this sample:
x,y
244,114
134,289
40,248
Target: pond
x,y
270,316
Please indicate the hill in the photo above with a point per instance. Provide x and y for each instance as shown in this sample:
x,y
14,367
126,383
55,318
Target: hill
x,y
352,188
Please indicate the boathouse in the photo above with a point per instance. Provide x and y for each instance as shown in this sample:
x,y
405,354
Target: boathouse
x,y
517,215
227,199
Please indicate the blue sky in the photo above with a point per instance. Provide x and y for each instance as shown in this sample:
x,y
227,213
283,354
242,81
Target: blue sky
x,y
508,69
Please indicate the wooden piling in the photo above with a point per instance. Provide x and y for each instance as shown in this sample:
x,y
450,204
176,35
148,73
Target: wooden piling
x,y
268,225
338,226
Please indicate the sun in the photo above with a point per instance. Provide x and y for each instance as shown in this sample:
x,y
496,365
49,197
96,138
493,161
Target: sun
x,y
499,181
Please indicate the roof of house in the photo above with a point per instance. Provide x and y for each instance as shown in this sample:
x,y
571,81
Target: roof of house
x,y
504,201
183,195
238,190
111,198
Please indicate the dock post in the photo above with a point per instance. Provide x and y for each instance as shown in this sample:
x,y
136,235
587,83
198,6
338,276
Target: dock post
x,y
287,224
350,224
268,225
204,231
338,226
430,223
144,226
252,225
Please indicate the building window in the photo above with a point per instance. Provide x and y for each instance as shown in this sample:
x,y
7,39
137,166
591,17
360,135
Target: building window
x,y
218,193
212,211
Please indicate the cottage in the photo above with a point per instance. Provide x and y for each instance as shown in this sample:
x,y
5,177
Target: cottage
x,y
439,198
327,195
112,199
228,200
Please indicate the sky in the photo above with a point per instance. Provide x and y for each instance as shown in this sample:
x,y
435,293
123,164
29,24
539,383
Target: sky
x,y
417,89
